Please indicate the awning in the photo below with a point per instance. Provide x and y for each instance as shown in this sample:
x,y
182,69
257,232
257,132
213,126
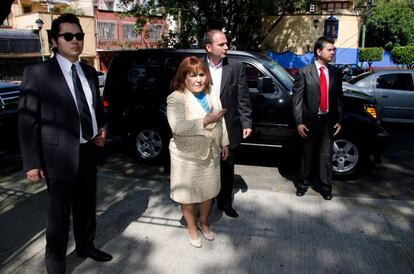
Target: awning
x,y
18,41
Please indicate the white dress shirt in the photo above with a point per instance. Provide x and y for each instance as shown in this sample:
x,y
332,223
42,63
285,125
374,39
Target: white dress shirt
x,y
216,72
66,67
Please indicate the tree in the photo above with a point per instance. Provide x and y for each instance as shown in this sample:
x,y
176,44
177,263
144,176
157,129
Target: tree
x,y
403,55
242,20
370,55
390,23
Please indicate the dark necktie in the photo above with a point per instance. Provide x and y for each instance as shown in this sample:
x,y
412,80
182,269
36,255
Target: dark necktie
x,y
324,91
83,108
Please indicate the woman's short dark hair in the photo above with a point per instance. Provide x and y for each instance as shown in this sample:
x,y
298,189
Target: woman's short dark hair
x,y
64,18
321,43
188,65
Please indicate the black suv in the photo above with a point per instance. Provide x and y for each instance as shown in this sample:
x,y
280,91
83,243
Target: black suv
x,y
9,97
137,85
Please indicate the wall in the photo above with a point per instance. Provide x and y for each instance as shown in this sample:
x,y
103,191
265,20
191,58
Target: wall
x,y
296,33
27,21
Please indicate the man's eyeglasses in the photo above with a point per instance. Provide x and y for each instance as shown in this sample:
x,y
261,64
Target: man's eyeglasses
x,y
69,36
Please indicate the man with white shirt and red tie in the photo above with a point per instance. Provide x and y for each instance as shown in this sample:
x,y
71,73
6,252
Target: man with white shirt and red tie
x,y
318,112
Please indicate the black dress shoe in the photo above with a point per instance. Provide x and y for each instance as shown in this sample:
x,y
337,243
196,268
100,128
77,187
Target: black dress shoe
x,y
229,211
300,192
94,254
327,195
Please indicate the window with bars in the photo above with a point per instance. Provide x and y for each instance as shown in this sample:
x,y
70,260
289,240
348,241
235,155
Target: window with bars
x,y
331,27
106,30
129,33
155,33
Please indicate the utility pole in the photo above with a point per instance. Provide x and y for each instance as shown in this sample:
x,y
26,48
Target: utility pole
x,y
365,12
50,9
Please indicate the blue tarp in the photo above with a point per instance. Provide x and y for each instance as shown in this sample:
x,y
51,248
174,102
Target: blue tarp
x,y
342,56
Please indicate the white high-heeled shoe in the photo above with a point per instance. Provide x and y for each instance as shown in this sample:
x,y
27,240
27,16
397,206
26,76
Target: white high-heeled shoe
x,y
207,235
195,243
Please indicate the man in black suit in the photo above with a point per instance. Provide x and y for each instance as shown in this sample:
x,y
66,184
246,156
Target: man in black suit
x,y
318,110
61,124
230,85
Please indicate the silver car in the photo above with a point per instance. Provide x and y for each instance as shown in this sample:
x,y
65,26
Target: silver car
x,y
393,91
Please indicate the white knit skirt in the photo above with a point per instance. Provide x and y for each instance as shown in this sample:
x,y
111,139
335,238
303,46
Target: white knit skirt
x,y
194,181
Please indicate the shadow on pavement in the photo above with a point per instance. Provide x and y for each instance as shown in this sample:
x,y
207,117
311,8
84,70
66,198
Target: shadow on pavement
x,y
112,223
22,224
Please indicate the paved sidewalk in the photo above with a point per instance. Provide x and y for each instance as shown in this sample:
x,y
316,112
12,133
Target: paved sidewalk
x,y
276,232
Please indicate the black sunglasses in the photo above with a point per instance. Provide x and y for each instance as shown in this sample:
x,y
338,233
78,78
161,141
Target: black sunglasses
x,y
69,36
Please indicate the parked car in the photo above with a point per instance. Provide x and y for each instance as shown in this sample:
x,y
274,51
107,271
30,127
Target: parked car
x,y
138,83
9,97
393,91
349,71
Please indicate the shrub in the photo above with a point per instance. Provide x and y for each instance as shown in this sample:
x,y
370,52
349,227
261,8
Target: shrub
x,y
370,55
403,55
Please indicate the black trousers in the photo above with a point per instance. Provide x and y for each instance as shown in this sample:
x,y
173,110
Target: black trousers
x,y
316,157
224,198
79,197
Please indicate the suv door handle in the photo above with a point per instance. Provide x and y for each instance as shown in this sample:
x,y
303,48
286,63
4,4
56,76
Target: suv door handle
x,y
384,96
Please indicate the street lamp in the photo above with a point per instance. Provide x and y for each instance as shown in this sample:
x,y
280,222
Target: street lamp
x,y
39,23
315,23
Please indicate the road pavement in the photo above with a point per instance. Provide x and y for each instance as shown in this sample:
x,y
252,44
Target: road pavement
x,y
276,232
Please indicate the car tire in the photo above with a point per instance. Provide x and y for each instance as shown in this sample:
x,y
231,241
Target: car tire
x,y
150,144
348,158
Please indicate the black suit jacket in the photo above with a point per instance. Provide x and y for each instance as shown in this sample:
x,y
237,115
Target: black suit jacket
x,y
306,96
49,121
234,96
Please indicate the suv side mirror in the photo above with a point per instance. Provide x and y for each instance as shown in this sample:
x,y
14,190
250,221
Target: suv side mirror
x,y
265,85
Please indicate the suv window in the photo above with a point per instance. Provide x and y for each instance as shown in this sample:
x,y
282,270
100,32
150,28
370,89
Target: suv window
x,y
252,74
171,68
400,81
147,75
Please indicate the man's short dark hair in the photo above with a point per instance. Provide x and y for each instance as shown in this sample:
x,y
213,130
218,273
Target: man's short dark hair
x,y
64,18
208,37
321,43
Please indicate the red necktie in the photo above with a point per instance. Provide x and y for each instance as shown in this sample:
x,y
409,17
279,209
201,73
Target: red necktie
x,y
324,91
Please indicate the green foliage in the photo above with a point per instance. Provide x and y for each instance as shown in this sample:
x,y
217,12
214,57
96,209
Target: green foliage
x,y
403,55
370,55
390,21
241,20
69,9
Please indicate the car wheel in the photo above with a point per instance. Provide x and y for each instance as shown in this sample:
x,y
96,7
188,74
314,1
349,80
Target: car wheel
x,y
150,144
347,157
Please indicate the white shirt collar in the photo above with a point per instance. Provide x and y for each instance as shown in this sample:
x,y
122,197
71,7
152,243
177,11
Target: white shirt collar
x,y
65,64
319,65
214,66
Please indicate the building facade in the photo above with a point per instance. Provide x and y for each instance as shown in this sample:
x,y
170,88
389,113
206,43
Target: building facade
x,y
107,32
296,33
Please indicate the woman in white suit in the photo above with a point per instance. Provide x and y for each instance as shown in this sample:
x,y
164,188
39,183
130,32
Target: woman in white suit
x,y
199,140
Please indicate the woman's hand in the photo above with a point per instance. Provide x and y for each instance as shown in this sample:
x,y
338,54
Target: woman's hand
x,y
224,152
213,117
